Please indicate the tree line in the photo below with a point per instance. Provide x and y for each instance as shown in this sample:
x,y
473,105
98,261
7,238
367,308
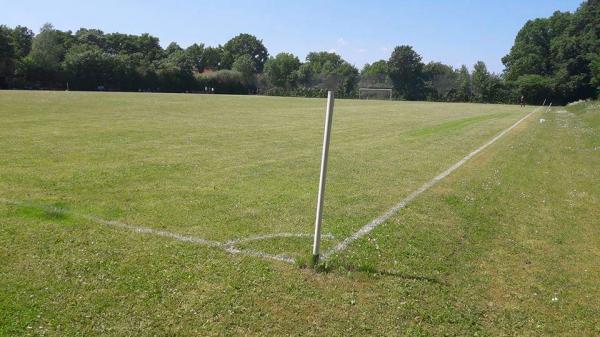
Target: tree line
x,y
558,57
555,58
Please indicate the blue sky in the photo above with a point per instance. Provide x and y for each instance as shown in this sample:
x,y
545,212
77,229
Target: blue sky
x,y
452,31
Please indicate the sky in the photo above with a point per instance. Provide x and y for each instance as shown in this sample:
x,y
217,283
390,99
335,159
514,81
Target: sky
x,y
454,32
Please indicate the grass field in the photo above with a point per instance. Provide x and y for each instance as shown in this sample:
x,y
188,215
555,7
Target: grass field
x,y
508,244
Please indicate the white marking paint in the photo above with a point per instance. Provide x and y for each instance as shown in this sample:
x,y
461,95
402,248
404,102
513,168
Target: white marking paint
x,y
366,229
228,247
274,236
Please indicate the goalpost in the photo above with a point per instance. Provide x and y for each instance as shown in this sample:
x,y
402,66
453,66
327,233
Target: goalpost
x,y
375,93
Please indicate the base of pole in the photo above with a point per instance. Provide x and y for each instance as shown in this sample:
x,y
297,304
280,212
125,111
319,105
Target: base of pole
x,y
315,260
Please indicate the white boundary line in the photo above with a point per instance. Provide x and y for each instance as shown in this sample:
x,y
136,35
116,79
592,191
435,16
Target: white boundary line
x,y
228,246
366,229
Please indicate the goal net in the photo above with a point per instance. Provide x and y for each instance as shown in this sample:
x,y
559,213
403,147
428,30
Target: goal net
x,y
375,93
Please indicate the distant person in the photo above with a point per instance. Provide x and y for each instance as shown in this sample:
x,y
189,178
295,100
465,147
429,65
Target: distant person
x,y
522,100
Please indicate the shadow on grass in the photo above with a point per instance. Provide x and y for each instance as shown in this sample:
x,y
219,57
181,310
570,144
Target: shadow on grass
x,y
368,269
327,267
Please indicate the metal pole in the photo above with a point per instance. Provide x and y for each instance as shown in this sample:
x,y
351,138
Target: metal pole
x,y
321,196
549,107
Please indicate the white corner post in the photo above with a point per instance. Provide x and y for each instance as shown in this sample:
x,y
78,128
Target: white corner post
x,y
322,177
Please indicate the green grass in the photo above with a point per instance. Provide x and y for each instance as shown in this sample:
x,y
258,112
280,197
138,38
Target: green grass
x,y
484,252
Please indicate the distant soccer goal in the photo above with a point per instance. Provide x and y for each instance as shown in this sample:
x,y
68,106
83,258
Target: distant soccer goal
x,y
375,93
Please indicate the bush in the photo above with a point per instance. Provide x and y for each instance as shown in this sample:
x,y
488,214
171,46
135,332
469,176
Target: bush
x,y
224,82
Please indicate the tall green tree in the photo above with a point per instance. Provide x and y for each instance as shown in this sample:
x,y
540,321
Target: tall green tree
x,y
481,83
561,49
7,55
149,47
376,68
440,80
49,48
195,53
173,47
175,71
281,70
595,67
92,37
88,67
245,65
406,71
22,38
346,79
375,75
326,70
531,53
211,58
323,62
463,85
535,88
117,43
48,51
244,44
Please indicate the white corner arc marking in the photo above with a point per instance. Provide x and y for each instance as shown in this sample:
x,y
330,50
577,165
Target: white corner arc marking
x,y
228,247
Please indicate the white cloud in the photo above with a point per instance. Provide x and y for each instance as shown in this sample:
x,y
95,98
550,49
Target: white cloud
x,y
332,50
341,42
361,50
